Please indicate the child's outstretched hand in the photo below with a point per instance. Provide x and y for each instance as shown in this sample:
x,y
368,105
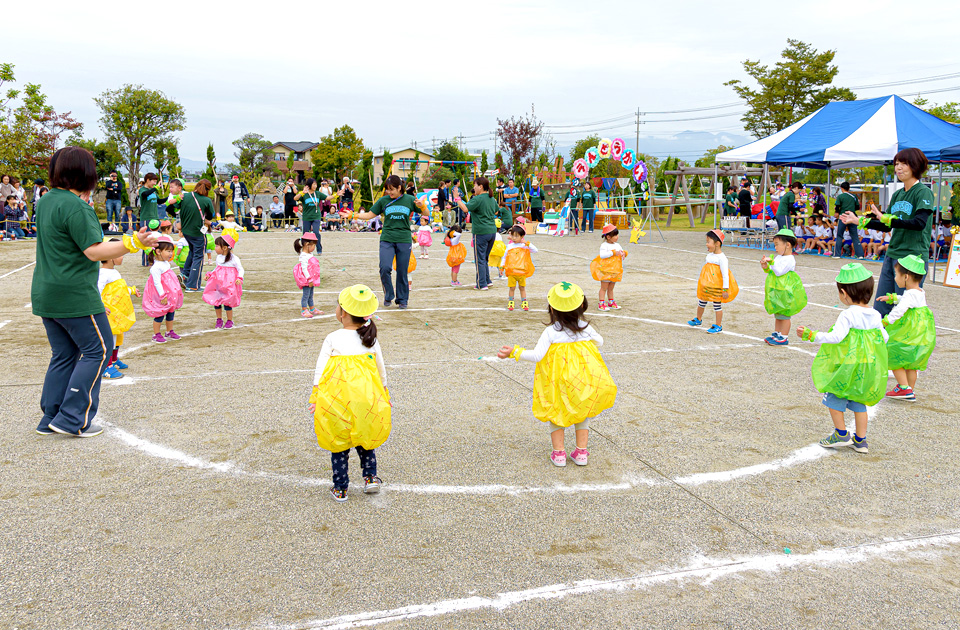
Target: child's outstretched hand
x,y
725,294
312,407
135,292
505,352
239,282
800,331
883,298
765,260
106,309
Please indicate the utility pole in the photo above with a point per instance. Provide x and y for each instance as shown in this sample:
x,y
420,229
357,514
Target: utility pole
x,y
461,140
638,133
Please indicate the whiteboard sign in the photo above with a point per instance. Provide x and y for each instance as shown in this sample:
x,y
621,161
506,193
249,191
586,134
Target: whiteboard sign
x,y
952,277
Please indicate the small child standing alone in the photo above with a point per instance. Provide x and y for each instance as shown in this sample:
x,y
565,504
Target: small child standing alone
x,y
456,254
424,236
225,283
910,325
571,383
607,267
518,265
350,403
851,366
307,272
716,282
784,295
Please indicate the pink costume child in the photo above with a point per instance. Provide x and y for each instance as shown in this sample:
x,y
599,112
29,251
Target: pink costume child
x,y
424,236
307,272
163,295
225,283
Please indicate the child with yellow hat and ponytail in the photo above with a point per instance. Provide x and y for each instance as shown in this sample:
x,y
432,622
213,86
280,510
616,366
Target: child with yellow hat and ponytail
x,y
851,366
350,402
571,383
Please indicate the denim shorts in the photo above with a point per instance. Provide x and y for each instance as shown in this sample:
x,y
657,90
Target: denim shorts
x,y
842,404
783,318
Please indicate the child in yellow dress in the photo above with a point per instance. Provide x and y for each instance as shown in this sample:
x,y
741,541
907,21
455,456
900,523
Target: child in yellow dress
x,y
571,383
119,307
518,265
350,402
716,282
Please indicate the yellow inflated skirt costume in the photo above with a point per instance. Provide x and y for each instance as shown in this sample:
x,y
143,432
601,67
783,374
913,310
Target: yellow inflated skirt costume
x,y
352,405
116,297
571,383
411,266
496,253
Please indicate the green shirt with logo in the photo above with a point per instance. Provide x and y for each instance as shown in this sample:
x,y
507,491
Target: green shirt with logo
x,y
589,199
396,217
65,280
483,210
904,205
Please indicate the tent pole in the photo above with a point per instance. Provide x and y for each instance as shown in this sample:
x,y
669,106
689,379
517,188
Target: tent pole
x,y
936,222
716,201
829,180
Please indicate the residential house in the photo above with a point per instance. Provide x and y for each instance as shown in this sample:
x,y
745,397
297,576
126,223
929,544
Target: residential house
x,y
403,164
302,161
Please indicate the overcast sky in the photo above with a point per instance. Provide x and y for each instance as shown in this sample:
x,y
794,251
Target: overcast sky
x,y
413,71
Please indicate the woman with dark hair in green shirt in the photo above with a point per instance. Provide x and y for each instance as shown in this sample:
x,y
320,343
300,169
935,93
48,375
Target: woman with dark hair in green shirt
x,y
483,211
395,238
64,294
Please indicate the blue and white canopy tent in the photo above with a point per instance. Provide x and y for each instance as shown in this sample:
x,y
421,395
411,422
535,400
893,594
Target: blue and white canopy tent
x,y
850,134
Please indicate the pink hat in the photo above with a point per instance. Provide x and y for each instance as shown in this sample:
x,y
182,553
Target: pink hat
x,y
609,227
718,234
232,242
308,236
164,239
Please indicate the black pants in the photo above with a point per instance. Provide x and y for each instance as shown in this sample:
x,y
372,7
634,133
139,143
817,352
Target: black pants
x,y
536,214
341,465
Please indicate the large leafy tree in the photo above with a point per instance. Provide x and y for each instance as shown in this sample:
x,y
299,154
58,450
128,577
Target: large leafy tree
x,y
519,138
251,153
387,163
106,153
338,153
796,86
949,112
136,119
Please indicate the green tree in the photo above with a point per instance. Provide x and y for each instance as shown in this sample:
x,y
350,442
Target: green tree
x,y
210,173
579,148
709,157
484,164
290,161
338,153
173,161
135,119
387,163
106,153
795,87
949,112
252,152
435,175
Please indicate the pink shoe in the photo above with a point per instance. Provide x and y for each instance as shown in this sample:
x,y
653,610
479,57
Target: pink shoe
x,y
455,284
579,456
603,305
306,313
559,458
229,324
315,312
173,336
612,304
219,322
159,338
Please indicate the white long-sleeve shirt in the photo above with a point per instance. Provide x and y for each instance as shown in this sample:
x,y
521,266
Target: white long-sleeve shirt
x,y
783,264
155,272
556,334
304,262
533,248
455,239
858,317
721,259
106,277
607,250
345,342
233,262
911,298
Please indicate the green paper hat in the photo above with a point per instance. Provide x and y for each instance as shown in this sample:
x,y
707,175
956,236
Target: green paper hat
x,y
565,296
913,263
786,232
154,224
853,273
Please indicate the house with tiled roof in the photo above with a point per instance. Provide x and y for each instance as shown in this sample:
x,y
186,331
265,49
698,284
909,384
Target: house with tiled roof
x,y
302,162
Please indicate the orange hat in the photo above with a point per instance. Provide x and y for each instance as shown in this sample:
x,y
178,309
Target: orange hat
x,y
165,223
609,227
718,234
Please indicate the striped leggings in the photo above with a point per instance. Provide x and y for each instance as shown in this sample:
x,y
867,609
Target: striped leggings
x,y
717,306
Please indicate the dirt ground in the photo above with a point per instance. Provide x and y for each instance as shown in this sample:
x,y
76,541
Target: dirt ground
x,y
706,502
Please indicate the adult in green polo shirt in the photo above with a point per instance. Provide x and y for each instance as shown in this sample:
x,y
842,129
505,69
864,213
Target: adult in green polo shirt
x,y
909,219
395,238
588,199
483,211
845,203
312,207
149,199
730,204
536,201
196,212
64,294
786,203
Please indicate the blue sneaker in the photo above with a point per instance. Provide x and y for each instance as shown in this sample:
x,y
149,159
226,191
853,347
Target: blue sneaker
x,y
714,329
695,322
859,446
120,365
834,440
776,339
112,372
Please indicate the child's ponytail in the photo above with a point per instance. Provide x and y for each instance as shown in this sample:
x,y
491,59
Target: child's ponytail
x,y
297,245
368,334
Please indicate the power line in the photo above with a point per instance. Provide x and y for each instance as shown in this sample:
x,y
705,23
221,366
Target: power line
x,y
939,77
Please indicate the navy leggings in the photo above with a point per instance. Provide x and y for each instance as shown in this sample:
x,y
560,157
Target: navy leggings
x,y
341,463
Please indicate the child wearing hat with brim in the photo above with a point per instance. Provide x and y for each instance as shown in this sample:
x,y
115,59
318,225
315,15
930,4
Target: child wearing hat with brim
x,y
607,267
783,295
716,283
913,334
571,383
851,366
350,402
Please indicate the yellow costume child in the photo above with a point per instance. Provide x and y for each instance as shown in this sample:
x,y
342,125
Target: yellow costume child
x,y
571,382
115,294
411,267
350,402
496,254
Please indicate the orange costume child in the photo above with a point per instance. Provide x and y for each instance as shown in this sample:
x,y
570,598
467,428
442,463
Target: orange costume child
x,y
607,267
457,253
716,282
518,265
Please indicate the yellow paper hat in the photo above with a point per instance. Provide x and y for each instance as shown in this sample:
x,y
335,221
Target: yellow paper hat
x,y
359,300
565,296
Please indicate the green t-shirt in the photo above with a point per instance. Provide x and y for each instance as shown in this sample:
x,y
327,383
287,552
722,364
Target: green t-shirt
x,y
904,205
193,210
589,199
730,201
65,280
506,216
536,201
786,203
574,197
311,205
845,203
483,210
396,218
148,205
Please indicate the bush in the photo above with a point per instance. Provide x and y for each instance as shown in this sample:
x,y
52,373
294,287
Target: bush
x,y
435,175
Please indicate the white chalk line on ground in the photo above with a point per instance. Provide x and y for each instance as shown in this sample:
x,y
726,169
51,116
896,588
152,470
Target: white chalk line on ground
x,y
4,323
702,569
338,293
10,273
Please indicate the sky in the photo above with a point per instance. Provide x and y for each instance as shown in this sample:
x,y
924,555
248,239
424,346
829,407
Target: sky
x,y
424,71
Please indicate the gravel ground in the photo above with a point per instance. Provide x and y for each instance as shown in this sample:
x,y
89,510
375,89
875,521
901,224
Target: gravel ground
x,y
205,503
